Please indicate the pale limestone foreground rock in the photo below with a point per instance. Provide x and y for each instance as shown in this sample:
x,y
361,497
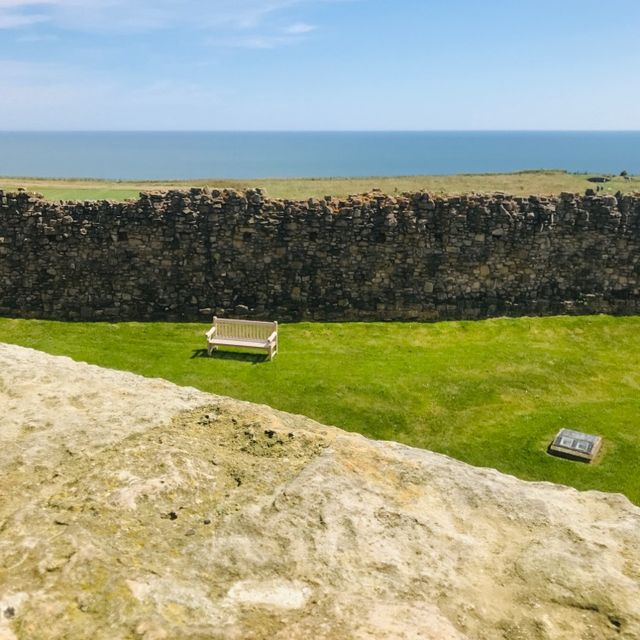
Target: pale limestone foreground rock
x,y
51,412
132,508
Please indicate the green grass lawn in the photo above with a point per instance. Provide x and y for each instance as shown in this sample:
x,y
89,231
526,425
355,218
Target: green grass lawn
x,y
492,393
518,183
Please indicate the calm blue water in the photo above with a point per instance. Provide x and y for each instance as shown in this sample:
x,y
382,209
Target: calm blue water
x,y
260,155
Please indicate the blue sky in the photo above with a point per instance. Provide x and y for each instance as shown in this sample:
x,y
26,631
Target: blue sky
x,y
319,64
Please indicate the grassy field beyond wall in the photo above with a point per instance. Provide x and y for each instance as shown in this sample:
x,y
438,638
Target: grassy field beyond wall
x,y
520,183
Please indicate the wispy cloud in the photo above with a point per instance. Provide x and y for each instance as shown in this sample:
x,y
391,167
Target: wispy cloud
x,y
37,37
9,20
252,42
249,39
20,5
22,13
43,96
11,4
95,84
299,28
26,71
254,24
145,15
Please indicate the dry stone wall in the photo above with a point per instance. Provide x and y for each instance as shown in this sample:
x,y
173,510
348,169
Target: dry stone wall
x,y
370,257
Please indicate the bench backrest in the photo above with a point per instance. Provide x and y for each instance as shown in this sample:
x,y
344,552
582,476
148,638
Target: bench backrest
x,y
246,329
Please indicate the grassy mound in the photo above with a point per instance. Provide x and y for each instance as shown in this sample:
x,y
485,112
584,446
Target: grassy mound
x,y
491,393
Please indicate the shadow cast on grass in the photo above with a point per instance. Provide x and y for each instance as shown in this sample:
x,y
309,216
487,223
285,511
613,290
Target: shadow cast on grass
x,y
254,358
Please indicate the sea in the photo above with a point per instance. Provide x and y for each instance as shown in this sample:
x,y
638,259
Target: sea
x,y
242,155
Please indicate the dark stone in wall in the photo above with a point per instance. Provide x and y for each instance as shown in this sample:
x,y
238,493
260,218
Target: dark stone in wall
x,y
371,257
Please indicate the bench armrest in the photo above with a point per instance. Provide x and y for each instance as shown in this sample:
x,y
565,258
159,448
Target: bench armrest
x,y
210,333
272,337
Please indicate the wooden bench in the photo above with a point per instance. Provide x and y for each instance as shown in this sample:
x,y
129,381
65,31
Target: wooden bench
x,y
251,334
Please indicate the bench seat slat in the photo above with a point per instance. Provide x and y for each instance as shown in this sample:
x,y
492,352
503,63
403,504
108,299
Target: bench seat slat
x,y
240,342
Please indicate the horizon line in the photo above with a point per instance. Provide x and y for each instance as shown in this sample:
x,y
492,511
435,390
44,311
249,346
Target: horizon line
x,y
319,131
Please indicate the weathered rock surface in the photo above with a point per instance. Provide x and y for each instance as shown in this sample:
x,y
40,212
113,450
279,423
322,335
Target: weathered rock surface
x,y
132,508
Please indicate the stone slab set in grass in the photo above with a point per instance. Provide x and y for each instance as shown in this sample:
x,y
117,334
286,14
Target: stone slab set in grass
x,y
223,519
575,445
370,257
